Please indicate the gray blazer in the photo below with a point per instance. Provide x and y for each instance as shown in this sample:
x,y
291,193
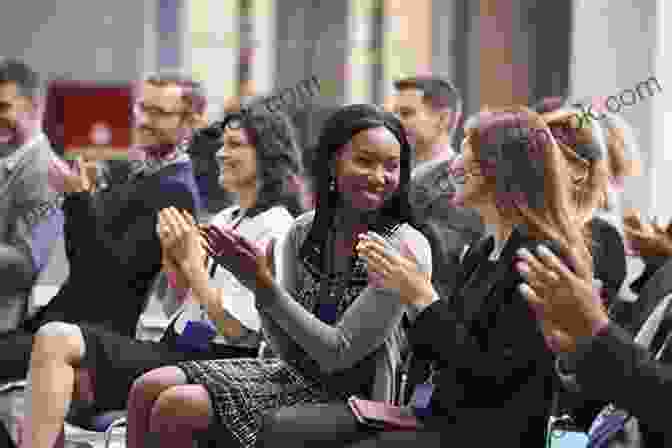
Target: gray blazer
x,y
31,222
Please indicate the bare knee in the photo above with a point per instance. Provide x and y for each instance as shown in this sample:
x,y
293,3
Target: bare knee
x,y
58,341
149,386
187,405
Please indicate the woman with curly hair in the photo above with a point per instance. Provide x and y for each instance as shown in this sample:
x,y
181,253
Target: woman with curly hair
x,y
259,161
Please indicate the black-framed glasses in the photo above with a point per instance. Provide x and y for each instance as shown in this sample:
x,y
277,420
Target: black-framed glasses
x,y
215,131
155,112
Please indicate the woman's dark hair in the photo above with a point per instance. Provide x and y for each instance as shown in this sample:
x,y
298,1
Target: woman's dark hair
x,y
337,131
279,163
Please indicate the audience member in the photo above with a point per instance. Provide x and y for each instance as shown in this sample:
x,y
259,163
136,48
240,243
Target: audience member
x,y
492,368
256,166
336,331
111,244
608,365
30,219
430,109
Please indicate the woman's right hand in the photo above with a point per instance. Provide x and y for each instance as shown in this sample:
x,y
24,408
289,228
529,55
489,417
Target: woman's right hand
x,y
393,270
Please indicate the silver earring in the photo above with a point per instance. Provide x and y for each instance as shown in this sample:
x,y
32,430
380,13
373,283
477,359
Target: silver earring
x,y
332,185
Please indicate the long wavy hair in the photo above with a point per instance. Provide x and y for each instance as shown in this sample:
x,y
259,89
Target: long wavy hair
x,y
337,131
279,162
516,164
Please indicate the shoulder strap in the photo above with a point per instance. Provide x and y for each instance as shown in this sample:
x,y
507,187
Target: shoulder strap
x,y
662,335
655,289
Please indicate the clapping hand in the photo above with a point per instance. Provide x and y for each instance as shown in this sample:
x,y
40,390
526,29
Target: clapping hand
x,y
390,269
648,239
238,255
182,246
82,178
568,307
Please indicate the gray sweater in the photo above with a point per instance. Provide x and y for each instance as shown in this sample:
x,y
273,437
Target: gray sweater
x,y
370,325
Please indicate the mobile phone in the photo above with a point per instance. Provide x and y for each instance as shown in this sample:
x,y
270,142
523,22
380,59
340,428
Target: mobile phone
x,y
381,415
563,433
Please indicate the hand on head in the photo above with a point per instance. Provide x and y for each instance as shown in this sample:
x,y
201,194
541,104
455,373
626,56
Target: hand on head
x,y
568,307
393,270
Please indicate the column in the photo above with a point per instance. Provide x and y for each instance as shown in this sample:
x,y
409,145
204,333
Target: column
x,y
407,41
262,49
211,47
604,64
661,166
361,57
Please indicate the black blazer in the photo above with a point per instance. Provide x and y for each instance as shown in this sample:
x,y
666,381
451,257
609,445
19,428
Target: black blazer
x,y
612,367
113,250
495,376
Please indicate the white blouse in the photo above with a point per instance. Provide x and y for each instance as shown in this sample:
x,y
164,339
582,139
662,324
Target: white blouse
x,y
236,299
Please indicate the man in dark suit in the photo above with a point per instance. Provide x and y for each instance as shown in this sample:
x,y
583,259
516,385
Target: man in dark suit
x,y
430,109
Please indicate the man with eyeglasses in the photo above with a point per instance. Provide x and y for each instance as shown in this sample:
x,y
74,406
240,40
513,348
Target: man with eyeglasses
x,y
111,242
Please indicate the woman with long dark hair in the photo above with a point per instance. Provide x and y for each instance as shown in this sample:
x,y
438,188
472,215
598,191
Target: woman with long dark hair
x,y
259,162
335,329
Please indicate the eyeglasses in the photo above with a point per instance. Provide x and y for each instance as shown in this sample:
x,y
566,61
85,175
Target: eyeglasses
x,y
216,129
154,112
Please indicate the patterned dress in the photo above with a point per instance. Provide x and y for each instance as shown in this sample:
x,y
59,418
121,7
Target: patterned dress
x,y
242,390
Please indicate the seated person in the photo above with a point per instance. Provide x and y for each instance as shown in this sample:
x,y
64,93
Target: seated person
x,y
30,218
337,332
585,150
256,167
110,237
492,375
607,363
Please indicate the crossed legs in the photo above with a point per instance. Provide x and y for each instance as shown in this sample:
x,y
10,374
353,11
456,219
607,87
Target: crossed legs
x,y
164,407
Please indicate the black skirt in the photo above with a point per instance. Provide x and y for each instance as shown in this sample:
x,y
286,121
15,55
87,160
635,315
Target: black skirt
x,y
114,361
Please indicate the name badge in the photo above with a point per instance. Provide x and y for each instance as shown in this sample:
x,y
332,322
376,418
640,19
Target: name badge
x,y
196,336
421,399
327,312
609,422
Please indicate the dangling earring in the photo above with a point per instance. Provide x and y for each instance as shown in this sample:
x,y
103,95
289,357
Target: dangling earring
x,y
332,185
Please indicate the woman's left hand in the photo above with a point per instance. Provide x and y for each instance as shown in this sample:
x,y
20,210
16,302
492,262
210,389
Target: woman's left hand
x,y
392,270
244,259
569,307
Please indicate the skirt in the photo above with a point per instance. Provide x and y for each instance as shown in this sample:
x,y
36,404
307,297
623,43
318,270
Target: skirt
x,y
114,362
243,390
